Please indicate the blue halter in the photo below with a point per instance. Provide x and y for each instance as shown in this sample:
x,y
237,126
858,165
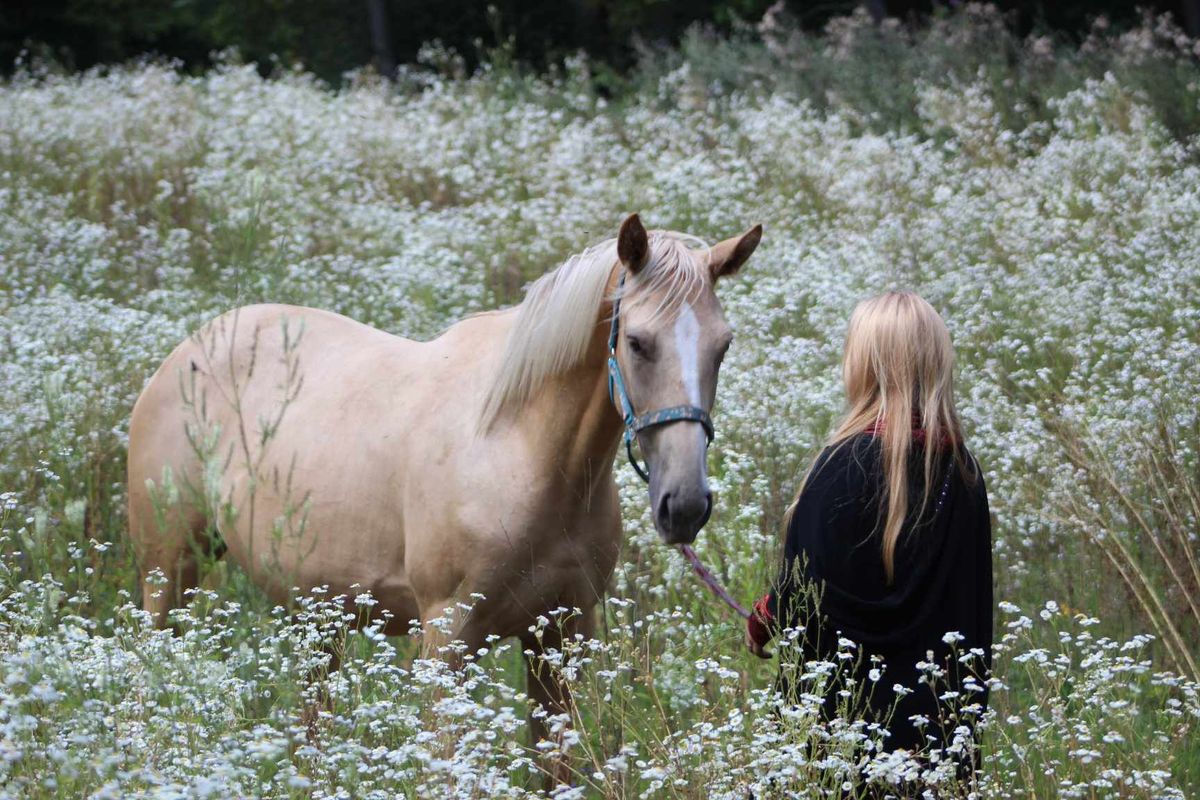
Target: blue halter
x,y
617,393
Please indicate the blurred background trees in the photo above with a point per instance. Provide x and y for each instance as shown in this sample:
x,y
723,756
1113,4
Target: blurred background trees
x,y
331,37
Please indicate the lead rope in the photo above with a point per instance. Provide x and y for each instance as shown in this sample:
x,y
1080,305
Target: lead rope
x,y
710,580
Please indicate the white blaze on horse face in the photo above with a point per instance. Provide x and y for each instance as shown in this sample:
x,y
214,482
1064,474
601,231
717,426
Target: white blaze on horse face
x,y
687,344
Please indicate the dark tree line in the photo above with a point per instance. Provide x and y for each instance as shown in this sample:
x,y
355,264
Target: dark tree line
x,y
332,36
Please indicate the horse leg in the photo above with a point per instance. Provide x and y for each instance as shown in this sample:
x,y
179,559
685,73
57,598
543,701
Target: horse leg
x,y
550,692
310,714
168,542
438,632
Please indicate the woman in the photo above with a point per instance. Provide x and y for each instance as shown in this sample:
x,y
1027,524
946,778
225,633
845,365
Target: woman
x,y
889,542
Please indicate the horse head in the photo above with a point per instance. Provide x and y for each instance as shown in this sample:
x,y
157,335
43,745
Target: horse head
x,y
668,338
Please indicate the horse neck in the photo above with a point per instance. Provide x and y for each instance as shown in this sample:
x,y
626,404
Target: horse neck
x,y
572,421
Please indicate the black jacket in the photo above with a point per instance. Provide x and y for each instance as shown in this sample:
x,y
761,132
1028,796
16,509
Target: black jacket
x,y
943,583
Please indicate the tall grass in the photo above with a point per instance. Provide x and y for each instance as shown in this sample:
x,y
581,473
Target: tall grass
x,y
1143,514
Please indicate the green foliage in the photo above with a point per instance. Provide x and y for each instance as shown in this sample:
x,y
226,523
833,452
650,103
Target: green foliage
x,y
875,74
332,38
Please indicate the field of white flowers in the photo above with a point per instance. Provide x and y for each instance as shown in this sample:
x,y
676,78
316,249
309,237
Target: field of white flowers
x,y
1062,245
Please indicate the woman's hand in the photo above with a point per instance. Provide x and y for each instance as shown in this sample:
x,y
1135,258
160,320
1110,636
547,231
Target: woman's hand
x,y
758,627
755,647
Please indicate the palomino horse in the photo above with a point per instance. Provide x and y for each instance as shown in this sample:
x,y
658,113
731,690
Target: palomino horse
x,y
430,474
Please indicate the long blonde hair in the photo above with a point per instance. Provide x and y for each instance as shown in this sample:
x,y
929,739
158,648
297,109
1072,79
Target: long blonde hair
x,y
898,370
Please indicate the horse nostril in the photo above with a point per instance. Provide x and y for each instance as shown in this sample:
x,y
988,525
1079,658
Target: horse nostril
x,y
664,510
681,514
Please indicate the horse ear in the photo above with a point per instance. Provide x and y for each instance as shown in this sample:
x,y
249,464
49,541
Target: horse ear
x,y
727,257
633,247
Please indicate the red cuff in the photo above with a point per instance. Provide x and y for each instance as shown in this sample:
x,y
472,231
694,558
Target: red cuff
x,y
761,621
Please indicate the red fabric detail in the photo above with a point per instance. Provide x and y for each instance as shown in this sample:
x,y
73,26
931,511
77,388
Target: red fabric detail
x,y
918,433
761,621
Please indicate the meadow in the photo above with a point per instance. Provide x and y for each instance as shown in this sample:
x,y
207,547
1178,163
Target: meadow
x,y
1045,197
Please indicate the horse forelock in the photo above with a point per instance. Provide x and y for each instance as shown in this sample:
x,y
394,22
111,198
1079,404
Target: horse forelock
x,y
677,273
556,320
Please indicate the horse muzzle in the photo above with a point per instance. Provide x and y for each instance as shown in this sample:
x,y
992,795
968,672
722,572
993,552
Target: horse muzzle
x,y
679,515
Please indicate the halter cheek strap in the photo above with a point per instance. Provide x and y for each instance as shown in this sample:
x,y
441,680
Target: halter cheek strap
x,y
619,395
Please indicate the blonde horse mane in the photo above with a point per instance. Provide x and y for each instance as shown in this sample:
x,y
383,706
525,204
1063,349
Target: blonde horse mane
x,y
556,320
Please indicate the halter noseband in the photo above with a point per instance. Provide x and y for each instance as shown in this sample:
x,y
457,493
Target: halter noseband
x,y
617,393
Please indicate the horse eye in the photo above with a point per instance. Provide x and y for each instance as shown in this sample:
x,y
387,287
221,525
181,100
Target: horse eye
x,y
635,346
